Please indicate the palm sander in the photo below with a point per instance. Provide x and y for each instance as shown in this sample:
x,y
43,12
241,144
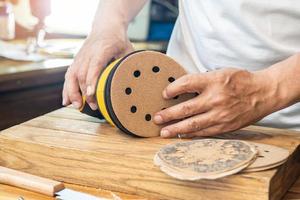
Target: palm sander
x,y
129,92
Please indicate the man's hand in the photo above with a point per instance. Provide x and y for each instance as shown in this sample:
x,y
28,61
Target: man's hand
x,y
97,51
228,99
107,40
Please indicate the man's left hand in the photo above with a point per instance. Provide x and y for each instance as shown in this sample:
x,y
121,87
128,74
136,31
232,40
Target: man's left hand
x,y
228,100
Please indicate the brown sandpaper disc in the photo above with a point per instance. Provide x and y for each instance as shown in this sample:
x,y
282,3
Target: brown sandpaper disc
x,y
136,90
205,158
264,168
269,156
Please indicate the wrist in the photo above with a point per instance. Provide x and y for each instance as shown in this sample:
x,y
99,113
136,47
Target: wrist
x,y
286,76
275,92
270,96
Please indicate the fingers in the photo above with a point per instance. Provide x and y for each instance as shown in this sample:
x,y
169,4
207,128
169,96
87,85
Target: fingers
x,y
97,50
186,84
65,97
81,75
74,85
190,125
91,82
73,93
180,111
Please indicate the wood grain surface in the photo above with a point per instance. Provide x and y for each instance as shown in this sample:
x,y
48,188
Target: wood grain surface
x,y
13,193
68,146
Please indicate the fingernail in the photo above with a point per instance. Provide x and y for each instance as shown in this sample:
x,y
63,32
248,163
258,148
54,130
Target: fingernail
x,y
64,102
165,133
93,106
165,94
76,104
89,91
158,119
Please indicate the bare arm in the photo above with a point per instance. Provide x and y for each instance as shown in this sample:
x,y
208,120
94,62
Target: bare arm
x,y
107,39
286,78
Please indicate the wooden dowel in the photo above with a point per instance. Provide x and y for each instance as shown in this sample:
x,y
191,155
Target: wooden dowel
x,y
30,182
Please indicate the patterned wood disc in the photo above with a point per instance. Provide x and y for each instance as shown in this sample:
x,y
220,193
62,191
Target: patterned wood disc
x,y
205,158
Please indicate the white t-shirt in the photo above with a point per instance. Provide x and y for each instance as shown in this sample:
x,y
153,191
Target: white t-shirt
x,y
247,34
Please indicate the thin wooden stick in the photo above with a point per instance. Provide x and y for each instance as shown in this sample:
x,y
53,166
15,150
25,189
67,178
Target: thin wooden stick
x,y
30,182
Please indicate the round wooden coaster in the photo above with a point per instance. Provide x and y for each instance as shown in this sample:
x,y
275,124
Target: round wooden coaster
x,y
269,156
133,91
205,158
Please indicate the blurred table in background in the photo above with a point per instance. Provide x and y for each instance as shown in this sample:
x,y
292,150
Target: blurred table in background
x,y
30,89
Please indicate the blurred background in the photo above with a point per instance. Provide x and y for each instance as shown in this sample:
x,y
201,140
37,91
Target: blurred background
x,y
39,39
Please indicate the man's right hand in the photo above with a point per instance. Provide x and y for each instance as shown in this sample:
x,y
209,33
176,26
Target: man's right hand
x,y
107,40
98,49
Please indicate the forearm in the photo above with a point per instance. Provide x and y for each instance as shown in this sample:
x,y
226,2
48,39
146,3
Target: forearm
x,y
284,78
116,13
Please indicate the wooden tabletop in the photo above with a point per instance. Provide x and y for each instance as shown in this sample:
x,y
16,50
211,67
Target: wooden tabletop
x,y
12,193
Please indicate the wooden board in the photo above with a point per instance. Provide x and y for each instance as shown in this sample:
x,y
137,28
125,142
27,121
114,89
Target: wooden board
x,y
13,193
68,146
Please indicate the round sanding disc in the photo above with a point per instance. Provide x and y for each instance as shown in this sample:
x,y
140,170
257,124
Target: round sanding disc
x,y
269,156
134,91
205,158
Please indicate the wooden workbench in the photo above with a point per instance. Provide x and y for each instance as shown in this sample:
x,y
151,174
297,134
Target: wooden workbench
x,y
11,193
58,122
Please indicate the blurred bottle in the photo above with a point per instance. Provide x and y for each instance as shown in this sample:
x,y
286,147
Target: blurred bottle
x,y
40,9
7,21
